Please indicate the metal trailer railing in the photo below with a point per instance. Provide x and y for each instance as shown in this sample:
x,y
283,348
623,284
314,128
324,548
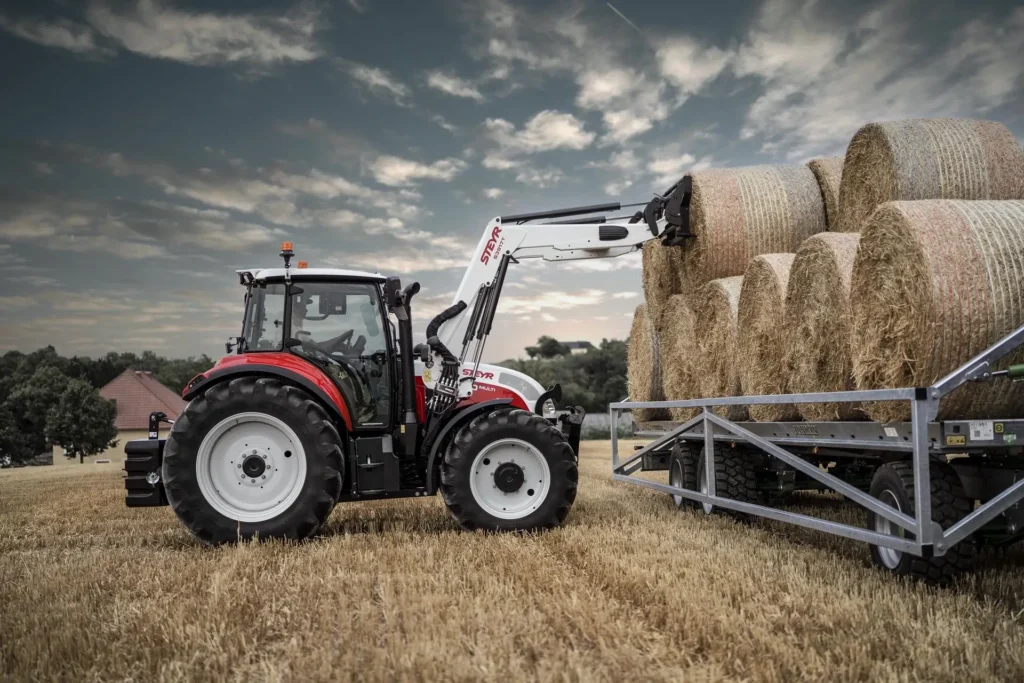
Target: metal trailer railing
x,y
921,437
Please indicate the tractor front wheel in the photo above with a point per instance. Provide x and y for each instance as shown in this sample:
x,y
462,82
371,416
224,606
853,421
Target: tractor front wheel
x,y
510,470
253,457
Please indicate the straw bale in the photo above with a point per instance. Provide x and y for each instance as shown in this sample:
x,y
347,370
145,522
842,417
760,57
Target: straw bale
x,y
927,159
762,335
643,372
829,173
738,213
678,351
935,283
818,323
661,275
716,306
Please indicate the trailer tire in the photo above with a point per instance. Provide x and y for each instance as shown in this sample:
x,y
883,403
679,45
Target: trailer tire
x,y
539,490
682,473
894,482
276,414
735,477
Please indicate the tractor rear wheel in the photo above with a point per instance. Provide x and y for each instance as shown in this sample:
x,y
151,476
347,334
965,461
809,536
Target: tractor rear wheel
x,y
253,457
509,470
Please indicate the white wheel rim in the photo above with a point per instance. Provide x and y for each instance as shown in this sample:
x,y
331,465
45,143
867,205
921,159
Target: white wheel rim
x,y
889,557
230,477
703,479
536,479
675,479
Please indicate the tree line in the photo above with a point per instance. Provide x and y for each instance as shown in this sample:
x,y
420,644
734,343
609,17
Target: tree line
x,y
47,399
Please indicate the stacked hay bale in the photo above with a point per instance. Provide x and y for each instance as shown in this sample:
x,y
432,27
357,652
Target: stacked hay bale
x,y
819,323
739,213
643,366
678,352
829,173
934,283
927,159
762,335
661,275
716,315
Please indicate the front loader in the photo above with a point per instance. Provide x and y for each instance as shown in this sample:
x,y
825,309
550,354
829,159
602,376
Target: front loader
x,y
325,398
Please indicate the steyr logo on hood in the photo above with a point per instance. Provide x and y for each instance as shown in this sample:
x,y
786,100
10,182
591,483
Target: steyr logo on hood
x,y
489,248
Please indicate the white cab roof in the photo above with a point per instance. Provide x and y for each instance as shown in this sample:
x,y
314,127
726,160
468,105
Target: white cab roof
x,y
264,273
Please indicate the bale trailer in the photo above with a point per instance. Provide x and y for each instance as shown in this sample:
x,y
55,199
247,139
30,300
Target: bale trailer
x,y
935,490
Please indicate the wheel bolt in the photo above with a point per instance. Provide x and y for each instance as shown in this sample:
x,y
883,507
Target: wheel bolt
x,y
239,467
264,476
253,481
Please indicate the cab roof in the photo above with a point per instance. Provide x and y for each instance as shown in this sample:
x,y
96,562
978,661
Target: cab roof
x,y
301,273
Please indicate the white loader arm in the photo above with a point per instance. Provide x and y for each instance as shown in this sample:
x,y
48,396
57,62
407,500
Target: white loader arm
x,y
505,242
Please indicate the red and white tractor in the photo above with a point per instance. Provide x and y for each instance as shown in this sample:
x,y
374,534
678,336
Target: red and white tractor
x,y
324,398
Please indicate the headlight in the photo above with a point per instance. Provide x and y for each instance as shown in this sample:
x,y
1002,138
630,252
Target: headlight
x,y
549,407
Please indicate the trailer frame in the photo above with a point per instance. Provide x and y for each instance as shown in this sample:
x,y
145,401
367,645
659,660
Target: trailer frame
x,y
922,437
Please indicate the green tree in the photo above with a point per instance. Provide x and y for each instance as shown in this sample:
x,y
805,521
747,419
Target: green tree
x,y
29,403
547,347
12,442
591,380
82,421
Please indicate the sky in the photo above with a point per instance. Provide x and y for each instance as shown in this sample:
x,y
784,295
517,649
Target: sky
x,y
150,148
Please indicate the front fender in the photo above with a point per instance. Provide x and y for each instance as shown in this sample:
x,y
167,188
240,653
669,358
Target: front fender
x,y
460,418
295,370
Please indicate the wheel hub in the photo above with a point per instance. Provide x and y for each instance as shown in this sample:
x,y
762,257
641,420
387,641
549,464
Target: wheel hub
x,y
254,466
509,477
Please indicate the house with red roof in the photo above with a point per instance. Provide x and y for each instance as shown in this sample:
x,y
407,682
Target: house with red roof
x,y
136,394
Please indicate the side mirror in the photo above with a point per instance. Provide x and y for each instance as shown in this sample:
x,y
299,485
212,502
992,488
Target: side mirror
x,y
393,290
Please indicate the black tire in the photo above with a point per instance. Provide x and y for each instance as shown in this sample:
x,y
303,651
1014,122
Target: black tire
x,y
735,477
456,471
950,504
682,473
293,406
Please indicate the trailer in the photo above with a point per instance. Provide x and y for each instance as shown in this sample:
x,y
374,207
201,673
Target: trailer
x,y
935,491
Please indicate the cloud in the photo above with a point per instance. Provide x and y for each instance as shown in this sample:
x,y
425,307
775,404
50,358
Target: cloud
x,y
625,295
550,300
378,81
440,120
12,303
539,178
62,33
493,193
395,171
546,131
152,29
689,65
453,85
811,64
358,5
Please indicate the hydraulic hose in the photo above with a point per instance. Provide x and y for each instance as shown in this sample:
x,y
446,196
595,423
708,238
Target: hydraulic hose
x,y
444,316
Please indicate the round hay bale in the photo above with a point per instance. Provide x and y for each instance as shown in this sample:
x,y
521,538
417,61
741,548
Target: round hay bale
x,y
927,159
829,173
715,311
643,366
678,350
819,323
738,213
762,335
935,283
661,274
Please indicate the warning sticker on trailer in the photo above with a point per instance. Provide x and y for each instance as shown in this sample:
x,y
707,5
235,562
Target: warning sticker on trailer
x,y
891,432
982,431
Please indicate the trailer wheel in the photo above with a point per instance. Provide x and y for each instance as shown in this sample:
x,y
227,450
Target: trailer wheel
x,y
252,457
735,477
893,484
682,472
509,470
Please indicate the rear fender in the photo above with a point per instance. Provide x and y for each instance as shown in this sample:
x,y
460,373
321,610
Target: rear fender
x,y
460,418
288,367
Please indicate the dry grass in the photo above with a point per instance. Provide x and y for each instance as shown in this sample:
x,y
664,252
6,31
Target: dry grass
x,y
762,338
927,159
828,172
662,275
678,353
935,283
643,371
628,589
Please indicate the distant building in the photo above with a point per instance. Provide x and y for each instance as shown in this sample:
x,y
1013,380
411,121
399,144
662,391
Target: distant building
x,y
136,394
578,347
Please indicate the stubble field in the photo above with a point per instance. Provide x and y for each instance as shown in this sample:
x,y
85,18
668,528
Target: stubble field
x,y
628,589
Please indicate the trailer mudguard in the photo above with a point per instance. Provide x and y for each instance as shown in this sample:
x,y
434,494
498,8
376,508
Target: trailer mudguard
x,y
460,418
297,371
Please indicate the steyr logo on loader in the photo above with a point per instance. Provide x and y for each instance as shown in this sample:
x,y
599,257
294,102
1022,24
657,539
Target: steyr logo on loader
x,y
480,374
489,248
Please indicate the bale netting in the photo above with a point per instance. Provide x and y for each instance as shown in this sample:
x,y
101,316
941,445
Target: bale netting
x,y
819,322
762,335
661,275
678,351
935,283
927,159
643,371
829,173
715,310
738,213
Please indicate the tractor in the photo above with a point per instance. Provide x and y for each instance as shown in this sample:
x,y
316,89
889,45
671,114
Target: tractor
x,y
324,398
